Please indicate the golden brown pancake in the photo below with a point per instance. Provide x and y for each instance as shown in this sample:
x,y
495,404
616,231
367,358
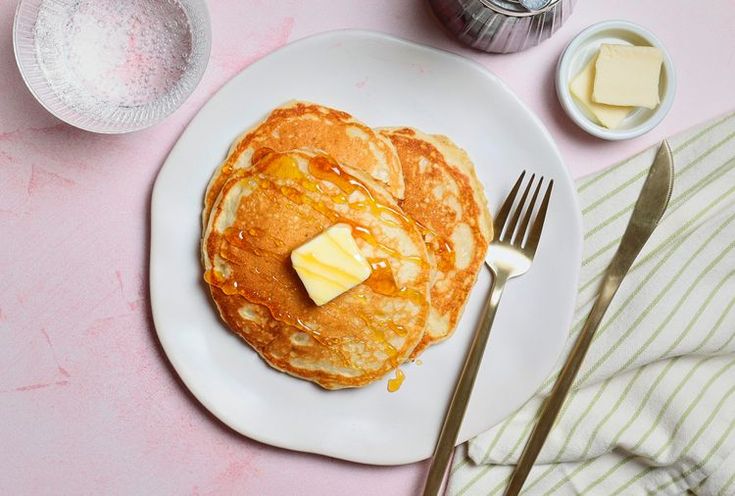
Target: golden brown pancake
x,y
444,195
264,212
301,125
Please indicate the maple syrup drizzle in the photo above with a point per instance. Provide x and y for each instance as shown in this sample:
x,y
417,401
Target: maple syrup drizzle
x,y
379,337
231,287
326,169
242,239
445,256
259,154
285,167
396,328
381,280
282,166
440,246
394,384
366,235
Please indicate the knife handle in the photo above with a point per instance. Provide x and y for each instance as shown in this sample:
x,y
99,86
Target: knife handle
x,y
563,383
647,213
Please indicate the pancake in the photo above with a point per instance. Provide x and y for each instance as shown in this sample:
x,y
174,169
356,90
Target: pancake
x,y
265,211
318,128
444,195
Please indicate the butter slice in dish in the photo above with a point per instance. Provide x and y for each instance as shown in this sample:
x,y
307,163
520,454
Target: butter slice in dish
x,y
581,88
627,75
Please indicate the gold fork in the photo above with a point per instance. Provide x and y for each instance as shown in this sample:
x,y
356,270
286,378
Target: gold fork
x,y
509,255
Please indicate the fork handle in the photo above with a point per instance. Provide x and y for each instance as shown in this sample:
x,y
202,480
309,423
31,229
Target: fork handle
x,y
462,391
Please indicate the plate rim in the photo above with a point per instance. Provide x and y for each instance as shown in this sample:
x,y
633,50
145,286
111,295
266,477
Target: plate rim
x,y
298,445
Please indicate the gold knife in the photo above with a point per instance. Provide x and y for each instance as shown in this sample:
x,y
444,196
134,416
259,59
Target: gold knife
x,y
650,207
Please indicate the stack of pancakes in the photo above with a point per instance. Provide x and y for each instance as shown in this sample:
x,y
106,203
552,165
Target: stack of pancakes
x,y
417,212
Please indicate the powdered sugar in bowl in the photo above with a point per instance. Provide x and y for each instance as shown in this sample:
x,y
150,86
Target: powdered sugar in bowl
x,y
111,66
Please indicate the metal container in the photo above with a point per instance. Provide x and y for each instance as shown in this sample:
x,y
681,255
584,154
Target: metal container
x,y
501,26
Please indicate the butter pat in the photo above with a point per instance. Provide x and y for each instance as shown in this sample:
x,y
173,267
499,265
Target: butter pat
x,y
330,264
581,86
627,75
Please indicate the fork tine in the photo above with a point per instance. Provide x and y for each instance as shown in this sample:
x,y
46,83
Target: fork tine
x,y
538,224
507,204
521,235
509,234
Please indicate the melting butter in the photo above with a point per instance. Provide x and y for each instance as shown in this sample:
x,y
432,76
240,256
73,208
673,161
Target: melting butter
x,y
330,264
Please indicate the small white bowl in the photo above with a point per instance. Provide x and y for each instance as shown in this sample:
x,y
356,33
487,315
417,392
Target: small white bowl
x,y
111,66
578,54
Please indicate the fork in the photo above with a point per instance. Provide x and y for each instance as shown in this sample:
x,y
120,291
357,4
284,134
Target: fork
x,y
509,255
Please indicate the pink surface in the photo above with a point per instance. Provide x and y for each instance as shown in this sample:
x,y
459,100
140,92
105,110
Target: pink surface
x,y
88,402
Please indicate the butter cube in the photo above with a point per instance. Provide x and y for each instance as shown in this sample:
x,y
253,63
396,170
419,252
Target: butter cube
x,y
581,86
627,75
330,264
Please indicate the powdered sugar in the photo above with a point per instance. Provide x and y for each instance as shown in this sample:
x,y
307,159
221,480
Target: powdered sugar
x,y
103,55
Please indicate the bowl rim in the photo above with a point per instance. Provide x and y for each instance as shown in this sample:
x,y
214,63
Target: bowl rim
x,y
575,113
21,64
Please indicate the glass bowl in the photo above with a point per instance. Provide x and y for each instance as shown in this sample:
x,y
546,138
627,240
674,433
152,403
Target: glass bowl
x,y
108,66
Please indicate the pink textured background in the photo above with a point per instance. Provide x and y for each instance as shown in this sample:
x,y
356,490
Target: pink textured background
x,y
88,403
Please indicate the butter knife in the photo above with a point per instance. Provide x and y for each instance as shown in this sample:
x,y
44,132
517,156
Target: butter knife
x,y
649,208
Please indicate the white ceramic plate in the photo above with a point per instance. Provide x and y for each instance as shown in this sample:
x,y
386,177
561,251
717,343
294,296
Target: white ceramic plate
x,y
383,81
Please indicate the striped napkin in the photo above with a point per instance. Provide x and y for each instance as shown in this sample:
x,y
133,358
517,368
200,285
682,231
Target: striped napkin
x,y
653,408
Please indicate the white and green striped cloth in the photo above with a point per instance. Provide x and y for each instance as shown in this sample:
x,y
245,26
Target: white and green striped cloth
x,y
653,408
